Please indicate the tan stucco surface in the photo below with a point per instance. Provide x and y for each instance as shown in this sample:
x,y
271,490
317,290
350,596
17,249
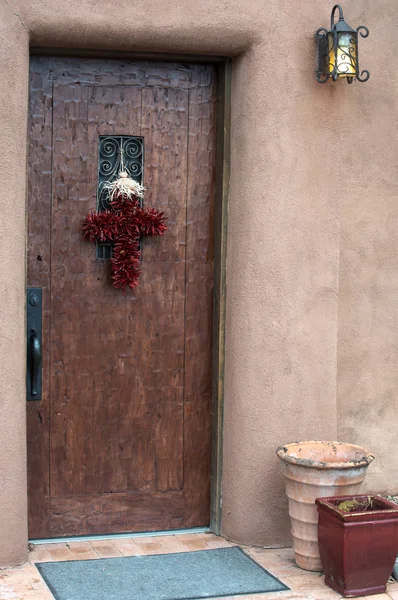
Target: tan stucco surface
x,y
312,317
14,58
367,372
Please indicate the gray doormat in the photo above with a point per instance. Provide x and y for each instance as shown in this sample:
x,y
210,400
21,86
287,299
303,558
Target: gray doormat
x,y
182,576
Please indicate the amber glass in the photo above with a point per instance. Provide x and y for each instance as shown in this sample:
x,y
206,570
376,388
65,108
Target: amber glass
x,y
343,58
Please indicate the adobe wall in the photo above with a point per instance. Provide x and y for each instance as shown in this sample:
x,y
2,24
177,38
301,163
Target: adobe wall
x,y
310,250
14,60
367,374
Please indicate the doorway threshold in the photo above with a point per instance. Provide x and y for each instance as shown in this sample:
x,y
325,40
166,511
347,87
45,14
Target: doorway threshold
x,y
118,536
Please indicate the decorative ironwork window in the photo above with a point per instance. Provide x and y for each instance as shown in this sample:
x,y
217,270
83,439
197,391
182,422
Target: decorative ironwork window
x,y
116,153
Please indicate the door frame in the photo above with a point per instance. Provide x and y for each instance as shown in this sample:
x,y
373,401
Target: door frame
x,y
223,67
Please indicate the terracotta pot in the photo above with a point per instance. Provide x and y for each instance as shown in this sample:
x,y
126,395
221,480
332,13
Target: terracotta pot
x,y
312,470
358,544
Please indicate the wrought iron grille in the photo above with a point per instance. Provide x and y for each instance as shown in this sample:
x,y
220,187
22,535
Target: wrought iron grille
x,y
116,153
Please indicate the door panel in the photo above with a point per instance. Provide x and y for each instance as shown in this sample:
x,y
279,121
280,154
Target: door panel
x,y
121,439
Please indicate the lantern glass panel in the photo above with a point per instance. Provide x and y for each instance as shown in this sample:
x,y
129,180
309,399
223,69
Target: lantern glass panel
x,y
331,52
344,57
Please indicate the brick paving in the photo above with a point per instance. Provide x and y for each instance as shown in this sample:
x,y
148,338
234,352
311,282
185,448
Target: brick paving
x,y
25,582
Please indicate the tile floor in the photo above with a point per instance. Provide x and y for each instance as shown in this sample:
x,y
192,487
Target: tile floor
x,y
25,583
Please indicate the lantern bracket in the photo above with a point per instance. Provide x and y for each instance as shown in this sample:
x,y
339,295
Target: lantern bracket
x,y
341,16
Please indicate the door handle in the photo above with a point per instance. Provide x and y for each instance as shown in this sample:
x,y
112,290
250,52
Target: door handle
x,y
35,361
34,344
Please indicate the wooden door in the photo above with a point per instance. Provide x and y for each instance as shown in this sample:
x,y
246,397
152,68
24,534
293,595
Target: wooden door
x,y
121,438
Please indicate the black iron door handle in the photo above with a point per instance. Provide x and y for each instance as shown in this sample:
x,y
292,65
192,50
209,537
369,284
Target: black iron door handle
x,y
34,344
35,361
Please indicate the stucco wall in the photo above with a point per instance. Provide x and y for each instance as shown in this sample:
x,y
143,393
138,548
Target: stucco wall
x,y
307,308
14,57
282,280
367,373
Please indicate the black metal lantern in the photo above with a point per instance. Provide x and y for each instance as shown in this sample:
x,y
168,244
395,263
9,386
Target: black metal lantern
x,y
338,50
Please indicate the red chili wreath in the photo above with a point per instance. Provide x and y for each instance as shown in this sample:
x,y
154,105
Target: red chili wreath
x,y
123,225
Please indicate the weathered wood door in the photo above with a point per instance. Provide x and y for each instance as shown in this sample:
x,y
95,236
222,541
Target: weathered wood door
x,y
121,438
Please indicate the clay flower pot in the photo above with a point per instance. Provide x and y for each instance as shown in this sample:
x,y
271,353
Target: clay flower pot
x,y
358,543
313,470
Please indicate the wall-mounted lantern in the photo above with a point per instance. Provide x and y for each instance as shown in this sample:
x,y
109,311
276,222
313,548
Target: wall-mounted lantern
x,y
338,50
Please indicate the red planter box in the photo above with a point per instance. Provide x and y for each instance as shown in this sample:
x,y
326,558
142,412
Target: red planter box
x,y
358,545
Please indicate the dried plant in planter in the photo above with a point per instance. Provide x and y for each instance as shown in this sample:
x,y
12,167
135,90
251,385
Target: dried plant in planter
x,y
358,543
